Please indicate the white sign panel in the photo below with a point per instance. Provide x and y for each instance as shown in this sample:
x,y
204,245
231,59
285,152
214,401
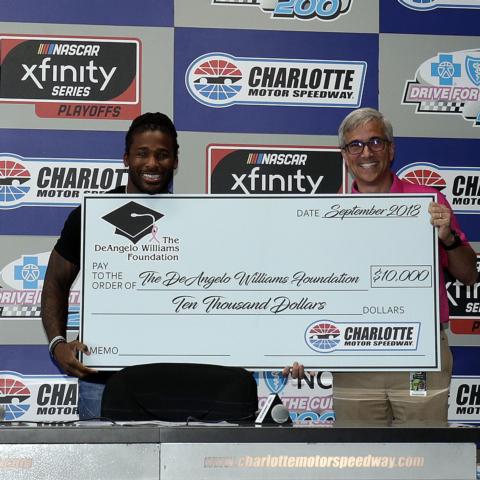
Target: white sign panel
x,y
335,282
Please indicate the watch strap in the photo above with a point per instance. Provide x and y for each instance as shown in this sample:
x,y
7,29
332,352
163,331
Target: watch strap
x,y
457,241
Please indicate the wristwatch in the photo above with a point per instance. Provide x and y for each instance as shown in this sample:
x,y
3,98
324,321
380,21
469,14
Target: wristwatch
x,y
457,241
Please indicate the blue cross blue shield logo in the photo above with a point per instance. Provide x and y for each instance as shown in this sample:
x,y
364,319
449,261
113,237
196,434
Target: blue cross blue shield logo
x,y
446,69
30,272
472,66
275,381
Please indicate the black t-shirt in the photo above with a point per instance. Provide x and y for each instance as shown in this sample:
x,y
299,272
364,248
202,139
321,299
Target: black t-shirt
x,y
68,245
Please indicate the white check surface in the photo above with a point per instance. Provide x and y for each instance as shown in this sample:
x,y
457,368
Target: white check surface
x,y
335,282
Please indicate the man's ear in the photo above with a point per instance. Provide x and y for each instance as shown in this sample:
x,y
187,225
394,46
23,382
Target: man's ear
x,y
125,160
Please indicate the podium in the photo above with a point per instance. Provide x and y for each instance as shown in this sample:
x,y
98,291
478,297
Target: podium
x,y
153,451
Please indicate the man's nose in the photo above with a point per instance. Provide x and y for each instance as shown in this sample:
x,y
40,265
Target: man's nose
x,y
366,150
152,160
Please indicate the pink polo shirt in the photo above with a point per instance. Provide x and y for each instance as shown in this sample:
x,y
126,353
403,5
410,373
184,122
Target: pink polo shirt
x,y
402,186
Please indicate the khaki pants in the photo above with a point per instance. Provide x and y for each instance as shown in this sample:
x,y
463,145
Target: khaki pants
x,y
383,398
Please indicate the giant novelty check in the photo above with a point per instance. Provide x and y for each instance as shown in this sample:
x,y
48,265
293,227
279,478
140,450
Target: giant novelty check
x,y
334,282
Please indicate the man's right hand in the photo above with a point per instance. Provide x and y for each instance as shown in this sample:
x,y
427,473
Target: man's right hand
x,y
65,354
296,370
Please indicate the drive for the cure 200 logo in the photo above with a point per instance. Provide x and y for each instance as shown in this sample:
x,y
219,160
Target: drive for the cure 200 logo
x,y
299,9
221,80
72,77
447,84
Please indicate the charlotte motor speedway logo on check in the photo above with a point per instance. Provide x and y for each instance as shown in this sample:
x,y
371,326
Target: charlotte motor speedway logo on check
x,y
221,80
447,84
325,336
298,9
38,397
461,185
54,181
433,4
72,77
260,169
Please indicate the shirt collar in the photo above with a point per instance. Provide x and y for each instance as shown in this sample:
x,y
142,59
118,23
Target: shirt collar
x,y
396,186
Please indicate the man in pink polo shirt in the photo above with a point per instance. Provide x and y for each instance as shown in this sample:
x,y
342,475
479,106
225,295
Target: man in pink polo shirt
x,y
384,398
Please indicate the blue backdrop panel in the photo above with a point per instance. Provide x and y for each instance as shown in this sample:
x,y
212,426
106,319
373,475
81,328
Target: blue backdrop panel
x,y
191,43
90,12
466,361
28,359
40,220
63,143
397,18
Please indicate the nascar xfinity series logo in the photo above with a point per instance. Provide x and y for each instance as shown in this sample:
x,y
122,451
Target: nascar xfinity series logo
x,y
325,336
464,304
38,398
72,77
432,4
272,169
448,83
54,182
300,9
461,185
221,80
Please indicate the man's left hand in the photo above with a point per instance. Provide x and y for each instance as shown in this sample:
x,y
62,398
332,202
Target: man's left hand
x,y
440,217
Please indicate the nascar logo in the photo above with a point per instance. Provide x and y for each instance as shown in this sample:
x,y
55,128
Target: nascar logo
x,y
433,4
300,9
68,49
221,80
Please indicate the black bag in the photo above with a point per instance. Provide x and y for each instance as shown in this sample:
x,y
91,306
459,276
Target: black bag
x,y
178,392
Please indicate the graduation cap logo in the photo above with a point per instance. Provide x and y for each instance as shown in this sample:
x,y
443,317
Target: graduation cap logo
x,y
134,221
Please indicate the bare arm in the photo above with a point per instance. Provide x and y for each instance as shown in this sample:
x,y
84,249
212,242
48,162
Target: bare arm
x,y
59,278
462,264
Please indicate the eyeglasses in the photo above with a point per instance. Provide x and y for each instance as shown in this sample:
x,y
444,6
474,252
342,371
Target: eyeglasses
x,y
375,144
